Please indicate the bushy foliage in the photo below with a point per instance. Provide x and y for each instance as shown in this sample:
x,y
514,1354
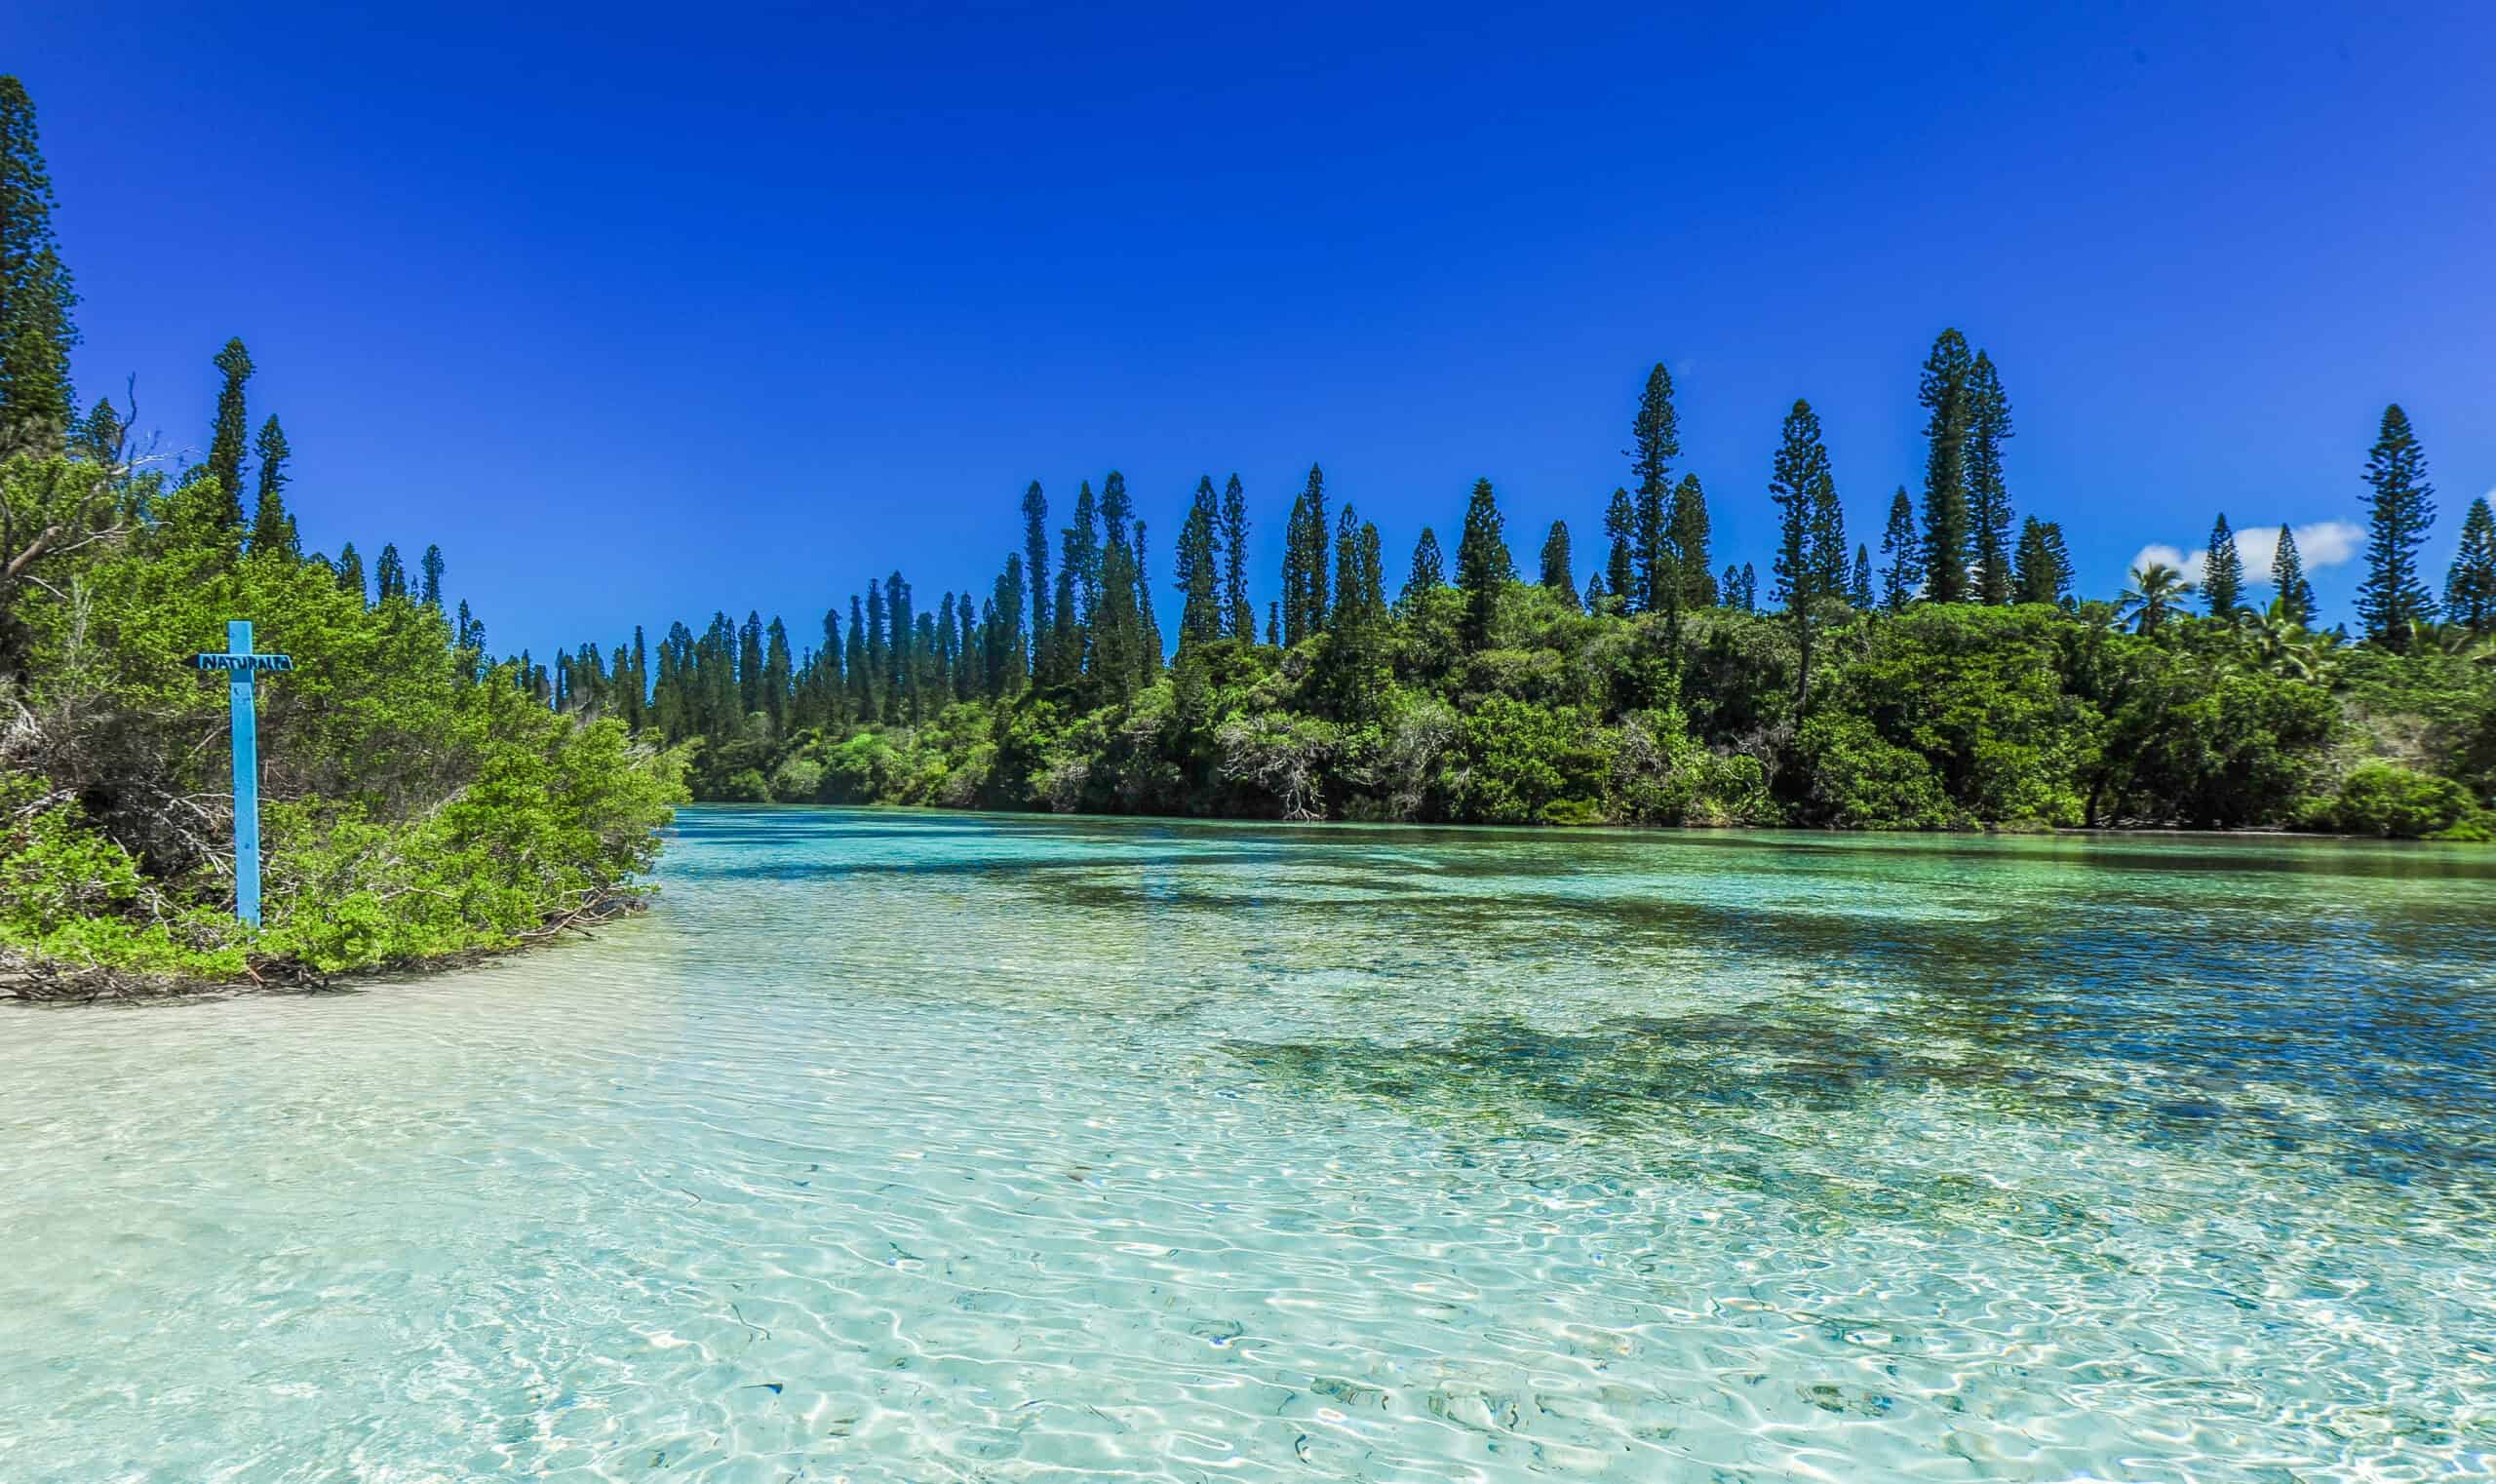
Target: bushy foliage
x,y
2387,798
1939,717
416,804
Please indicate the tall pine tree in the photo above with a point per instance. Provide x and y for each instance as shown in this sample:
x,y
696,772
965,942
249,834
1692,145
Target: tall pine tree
x,y
389,574
1035,564
226,444
2223,572
272,529
1429,571
1801,487
2470,588
1200,616
1483,564
1235,558
1988,495
2036,577
37,404
1654,443
1947,535
1556,572
2402,506
1620,566
1687,540
2288,577
1902,554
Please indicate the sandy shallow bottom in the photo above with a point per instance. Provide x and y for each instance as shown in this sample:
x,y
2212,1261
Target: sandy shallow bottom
x,y
954,1148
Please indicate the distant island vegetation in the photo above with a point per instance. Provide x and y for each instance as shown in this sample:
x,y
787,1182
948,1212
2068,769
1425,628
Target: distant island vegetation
x,y
426,800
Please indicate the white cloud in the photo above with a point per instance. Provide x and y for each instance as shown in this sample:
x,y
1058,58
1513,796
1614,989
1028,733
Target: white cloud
x,y
2324,543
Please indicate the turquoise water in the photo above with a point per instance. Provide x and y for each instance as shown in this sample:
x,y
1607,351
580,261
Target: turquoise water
x,y
918,1148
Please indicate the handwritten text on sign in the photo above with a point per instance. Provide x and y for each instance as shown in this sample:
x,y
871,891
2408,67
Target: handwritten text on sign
x,y
244,661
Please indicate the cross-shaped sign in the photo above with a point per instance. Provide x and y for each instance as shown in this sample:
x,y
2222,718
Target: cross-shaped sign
x,y
241,667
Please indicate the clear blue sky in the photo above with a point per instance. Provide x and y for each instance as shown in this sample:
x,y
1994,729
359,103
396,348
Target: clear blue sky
x,y
640,314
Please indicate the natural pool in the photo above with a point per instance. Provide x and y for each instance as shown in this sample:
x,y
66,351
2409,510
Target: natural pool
x,y
902,1147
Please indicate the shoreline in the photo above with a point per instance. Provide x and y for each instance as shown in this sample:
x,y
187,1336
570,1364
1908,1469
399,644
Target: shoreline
x,y
23,983
1975,832
33,983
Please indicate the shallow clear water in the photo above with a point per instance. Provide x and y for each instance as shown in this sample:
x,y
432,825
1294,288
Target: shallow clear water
x,y
934,1147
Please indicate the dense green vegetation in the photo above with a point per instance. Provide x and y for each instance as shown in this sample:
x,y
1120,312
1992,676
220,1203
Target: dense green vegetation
x,y
418,803
1963,686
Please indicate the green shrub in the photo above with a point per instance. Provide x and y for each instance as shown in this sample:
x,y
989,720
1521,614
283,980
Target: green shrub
x,y
2389,799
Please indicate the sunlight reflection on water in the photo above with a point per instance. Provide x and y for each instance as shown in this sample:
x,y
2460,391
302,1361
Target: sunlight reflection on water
x,y
928,1146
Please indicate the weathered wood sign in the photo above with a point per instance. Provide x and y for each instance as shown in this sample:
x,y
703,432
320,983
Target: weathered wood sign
x,y
242,668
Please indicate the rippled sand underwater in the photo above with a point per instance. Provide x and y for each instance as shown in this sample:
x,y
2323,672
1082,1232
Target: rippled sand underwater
x,y
901,1147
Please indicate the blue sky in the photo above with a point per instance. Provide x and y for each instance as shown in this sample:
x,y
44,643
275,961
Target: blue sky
x,y
639,321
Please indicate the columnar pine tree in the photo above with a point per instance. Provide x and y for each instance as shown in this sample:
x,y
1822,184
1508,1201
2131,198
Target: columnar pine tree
x,y
1201,615
942,654
1036,566
2037,578
859,660
1594,598
1148,619
1115,647
1802,464
1687,537
1065,633
879,656
2393,596
1080,555
272,529
1732,586
1988,495
1116,509
1620,566
2223,572
1858,591
1296,571
750,666
36,402
1827,536
970,668
429,567
232,431
1750,589
1428,573
1006,672
1242,623
1483,566
2470,588
1902,554
1801,487
1945,395
389,574
1314,537
901,670
100,435
1556,572
778,674
1346,607
1654,443
2288,577
351,573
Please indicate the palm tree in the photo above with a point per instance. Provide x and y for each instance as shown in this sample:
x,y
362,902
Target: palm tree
x,y
2156,591
2287,647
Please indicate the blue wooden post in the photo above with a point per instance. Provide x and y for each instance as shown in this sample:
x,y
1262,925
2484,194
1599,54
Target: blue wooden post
x,y
241,690
242,670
